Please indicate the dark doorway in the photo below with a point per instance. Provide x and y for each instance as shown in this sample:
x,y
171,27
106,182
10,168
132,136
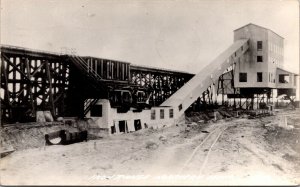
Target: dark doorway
x,y
123,126
137,124
113,129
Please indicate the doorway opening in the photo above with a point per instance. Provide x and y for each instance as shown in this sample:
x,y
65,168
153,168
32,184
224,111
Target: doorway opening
x,y
137,124
123,126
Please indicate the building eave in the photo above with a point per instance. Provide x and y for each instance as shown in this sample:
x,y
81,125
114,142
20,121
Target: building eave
x,y
287,71
259,27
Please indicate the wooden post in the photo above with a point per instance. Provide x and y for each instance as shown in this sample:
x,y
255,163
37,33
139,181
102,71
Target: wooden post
x,y
29,87
285,121
50,93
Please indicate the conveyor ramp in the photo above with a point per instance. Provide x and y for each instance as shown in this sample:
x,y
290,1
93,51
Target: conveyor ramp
x,y
194,88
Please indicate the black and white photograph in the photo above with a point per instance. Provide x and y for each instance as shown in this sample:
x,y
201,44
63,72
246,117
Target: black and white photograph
x,y
149,92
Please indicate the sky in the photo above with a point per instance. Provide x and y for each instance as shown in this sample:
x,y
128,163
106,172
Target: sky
x,y
180,35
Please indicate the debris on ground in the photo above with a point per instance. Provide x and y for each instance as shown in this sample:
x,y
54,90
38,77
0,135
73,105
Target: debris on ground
x,y
32,135
151,145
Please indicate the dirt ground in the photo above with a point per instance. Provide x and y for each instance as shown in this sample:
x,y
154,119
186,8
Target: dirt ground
x,y
239,151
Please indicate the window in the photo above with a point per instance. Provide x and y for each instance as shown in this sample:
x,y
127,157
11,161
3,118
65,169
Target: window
x,y
259,58
180,107
259,77
259,45
284,78
171,113
162,114
153,114
126,96
96,111
243,77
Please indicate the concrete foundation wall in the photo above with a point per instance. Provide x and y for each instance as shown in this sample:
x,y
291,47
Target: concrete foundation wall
x,y
110,117
106,112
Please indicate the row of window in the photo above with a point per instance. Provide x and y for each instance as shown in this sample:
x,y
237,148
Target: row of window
x,y
96,111
272,47
259,58
283,78
259,46
275,48
243,77
162,114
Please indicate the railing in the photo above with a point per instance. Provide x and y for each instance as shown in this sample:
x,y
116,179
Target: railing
x,y
14,48
82,65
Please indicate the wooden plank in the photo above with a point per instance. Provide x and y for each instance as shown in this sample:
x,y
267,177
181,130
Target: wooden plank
x,y
96,66
14,74
123,71
51,101
29,87
107,70
117,70
22,87
36,70
112,69
6,150
129,75
101,69
4,71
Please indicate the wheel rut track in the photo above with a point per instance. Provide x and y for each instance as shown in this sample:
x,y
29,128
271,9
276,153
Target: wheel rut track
x,y
196,163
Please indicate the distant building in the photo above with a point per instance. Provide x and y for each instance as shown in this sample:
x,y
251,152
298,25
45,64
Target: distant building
x,y
262,65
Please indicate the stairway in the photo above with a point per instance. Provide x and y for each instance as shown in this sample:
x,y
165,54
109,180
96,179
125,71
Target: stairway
x,y
210,74
81,64
94,79
88,104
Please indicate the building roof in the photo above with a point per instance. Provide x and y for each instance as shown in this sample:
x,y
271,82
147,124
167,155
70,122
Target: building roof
x,y
288,71
259,27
